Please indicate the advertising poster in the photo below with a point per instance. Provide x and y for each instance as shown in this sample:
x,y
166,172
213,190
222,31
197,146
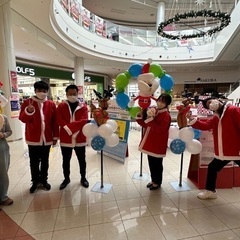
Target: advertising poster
x,y
122,119
85,18
75,10
14,101
14,83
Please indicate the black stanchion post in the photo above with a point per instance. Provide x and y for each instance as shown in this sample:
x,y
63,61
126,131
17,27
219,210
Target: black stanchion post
x,y
102,169
141,156
181,167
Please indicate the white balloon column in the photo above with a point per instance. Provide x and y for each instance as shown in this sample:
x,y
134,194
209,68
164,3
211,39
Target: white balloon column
x,y
103,135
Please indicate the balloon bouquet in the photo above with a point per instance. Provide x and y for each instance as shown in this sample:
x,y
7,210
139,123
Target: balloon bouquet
x,y
148,76
101,131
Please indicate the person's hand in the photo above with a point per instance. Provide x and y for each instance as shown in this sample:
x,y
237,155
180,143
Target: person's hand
x,y
30,107
1,135
151,112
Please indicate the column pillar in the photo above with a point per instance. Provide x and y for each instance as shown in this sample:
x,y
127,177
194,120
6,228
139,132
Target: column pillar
x,y
160,13
8,70
79,75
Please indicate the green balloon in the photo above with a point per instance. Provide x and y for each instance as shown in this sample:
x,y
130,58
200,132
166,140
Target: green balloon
x,y
127,73
163,73
121,81
133,111
156,70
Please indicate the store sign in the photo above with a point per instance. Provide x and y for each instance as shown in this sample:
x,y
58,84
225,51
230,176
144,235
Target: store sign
x,y
27,71
206,79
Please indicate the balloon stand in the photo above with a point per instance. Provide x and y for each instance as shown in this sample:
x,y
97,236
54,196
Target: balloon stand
x,y
100,186
140,175
180,186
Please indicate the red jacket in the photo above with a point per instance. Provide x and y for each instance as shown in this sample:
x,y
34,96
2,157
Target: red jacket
x,y
226,132
71,124
155,136
41,124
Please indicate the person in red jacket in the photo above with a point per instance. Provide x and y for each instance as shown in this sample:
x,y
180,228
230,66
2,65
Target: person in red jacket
x,y
155,138
225,126
41,131
72,115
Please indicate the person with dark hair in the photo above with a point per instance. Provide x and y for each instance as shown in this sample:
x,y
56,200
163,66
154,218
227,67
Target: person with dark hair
x,y
41,131
5,132
155,137
225,126
72,115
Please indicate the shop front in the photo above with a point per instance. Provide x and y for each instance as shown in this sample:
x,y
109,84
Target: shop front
x,y
57,79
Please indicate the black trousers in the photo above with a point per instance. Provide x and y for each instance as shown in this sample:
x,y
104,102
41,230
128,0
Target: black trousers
x,y
39,163
213,168
156,169
81,156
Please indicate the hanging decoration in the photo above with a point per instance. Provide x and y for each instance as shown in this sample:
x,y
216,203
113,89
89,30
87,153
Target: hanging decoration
x,y
224,18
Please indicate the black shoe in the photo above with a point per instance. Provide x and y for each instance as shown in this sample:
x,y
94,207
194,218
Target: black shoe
x,y
64,184
154,187
46,186
84,182
33,188
149,185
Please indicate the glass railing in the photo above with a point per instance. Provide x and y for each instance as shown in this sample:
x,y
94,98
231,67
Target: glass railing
x,y
126,35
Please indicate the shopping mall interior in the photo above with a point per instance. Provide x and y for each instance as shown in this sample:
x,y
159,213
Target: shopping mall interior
x,y
196,44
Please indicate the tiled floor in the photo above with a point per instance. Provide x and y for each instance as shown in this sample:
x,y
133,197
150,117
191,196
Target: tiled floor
x,y
129,211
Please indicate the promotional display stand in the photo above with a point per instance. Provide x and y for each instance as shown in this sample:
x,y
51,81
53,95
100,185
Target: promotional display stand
x,y
140,175
100,186
228,177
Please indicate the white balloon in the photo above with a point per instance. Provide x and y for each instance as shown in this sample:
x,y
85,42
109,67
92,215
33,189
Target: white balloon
x,y
194,146
105,130
113,123
169,142
113,140
173,132
186,134
90,130
89,141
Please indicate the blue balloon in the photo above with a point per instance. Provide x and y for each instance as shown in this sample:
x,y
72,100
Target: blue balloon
x,y
177,146
166,82
122,100
98,143
197,133
135,69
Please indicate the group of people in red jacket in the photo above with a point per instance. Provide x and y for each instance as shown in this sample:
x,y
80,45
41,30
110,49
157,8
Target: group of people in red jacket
x,y
45,124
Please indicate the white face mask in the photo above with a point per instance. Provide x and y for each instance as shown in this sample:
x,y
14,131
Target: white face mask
x,y
41,95
72,98
214,105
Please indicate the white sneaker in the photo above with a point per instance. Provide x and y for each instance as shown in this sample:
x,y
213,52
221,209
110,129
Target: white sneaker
x,y
206,194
